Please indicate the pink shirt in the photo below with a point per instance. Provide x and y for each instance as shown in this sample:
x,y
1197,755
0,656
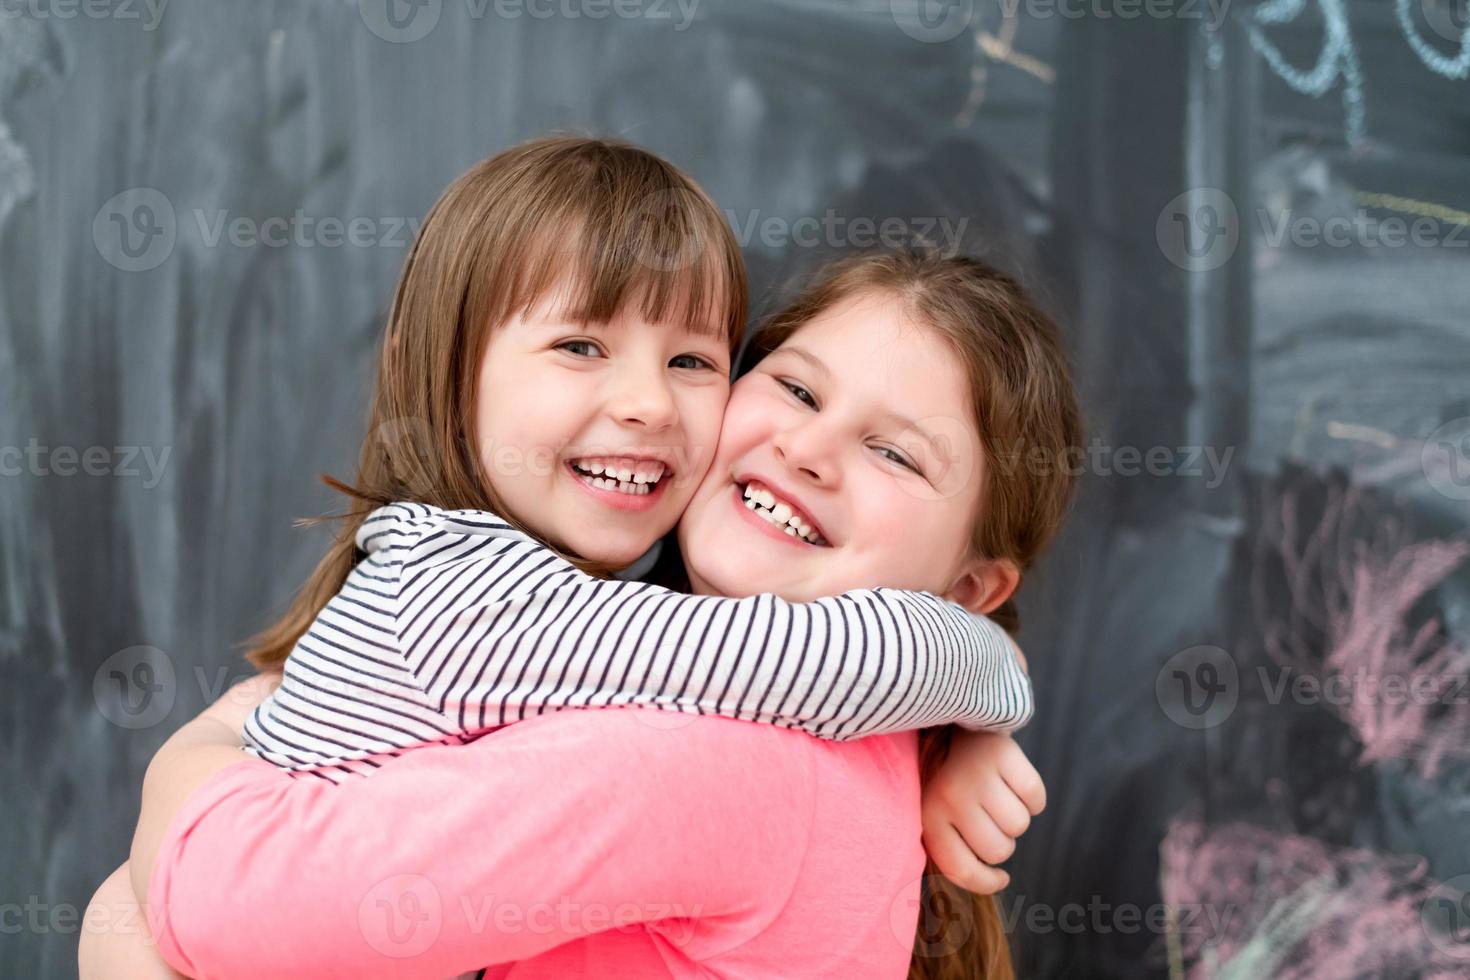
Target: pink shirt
x,y
601,843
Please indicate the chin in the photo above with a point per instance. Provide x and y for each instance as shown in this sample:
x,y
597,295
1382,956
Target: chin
x,y
597,548
727,576
717,580
616,558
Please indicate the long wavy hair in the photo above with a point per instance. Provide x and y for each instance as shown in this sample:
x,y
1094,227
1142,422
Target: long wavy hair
x,y
1025,406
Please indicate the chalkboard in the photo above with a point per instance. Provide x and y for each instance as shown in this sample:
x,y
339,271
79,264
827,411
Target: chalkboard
x,y
1250,219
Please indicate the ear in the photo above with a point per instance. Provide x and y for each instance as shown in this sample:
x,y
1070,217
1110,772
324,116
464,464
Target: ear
x,y
983,584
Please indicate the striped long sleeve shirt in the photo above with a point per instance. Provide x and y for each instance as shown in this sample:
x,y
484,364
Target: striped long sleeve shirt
x,y
454,623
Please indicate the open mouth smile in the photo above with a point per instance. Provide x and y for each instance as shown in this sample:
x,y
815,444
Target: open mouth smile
x,y
625,482
780,517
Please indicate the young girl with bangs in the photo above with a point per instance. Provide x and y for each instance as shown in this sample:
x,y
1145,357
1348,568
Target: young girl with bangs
x,y
451,600
454,604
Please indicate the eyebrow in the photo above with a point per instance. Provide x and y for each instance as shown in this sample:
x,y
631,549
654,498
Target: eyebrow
x,y
561,319
929,437
806,355
903,420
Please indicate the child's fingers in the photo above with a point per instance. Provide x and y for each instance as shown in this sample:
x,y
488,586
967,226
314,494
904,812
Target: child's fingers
x,y
1007,811
989,842
954,859
1023,779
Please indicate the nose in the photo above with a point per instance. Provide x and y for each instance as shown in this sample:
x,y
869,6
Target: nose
x,y
809,450
642,398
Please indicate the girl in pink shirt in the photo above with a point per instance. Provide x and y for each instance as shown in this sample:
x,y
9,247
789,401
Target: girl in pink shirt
x,y
819,428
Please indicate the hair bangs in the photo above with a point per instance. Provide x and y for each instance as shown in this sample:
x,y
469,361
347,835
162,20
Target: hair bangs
x,y
666,255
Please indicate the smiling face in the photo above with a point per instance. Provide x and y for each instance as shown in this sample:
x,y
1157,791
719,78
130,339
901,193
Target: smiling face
x,y
596,435
859,428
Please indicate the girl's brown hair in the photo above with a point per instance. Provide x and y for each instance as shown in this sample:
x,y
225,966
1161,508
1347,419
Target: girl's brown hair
x,y
613,225
1025,406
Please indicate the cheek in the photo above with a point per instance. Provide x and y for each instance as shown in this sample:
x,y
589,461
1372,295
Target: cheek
x,y
524,421
701,415
750,420
900,534
890,528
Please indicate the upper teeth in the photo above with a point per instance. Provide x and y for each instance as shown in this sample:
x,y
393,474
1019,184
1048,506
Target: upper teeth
x,y
647,473
780,513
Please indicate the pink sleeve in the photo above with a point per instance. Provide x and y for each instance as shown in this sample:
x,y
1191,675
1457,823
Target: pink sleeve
x,y
450,858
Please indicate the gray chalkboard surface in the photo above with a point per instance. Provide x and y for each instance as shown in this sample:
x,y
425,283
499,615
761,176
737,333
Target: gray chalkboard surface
x,y
1250,217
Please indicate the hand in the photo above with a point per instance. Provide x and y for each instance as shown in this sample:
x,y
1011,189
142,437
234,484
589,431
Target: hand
x,y
980,800
236,704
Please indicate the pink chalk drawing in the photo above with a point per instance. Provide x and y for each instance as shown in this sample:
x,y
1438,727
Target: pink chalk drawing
x,y
1293,908
1353,584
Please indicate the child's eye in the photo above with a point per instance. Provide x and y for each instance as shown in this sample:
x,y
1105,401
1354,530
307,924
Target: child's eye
x,y
697,362
798,392
899,458
566,345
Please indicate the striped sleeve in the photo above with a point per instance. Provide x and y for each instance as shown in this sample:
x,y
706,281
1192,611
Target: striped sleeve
x,y
496,628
